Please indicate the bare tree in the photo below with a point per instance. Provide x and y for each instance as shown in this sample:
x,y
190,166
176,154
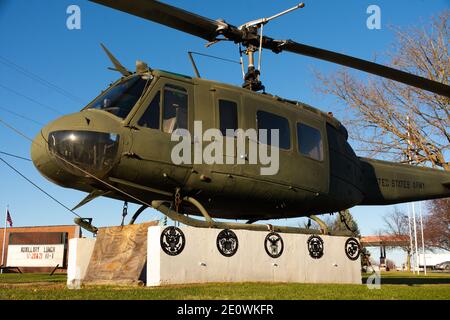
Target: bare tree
x,y
437,224
385,115
396,224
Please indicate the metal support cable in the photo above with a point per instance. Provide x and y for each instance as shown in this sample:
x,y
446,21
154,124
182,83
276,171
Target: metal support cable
x,y
40,80
30,99
21,116
14,156
36,186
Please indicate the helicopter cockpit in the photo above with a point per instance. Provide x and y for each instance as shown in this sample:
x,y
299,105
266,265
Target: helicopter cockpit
x,y
121,98
89,145
93,151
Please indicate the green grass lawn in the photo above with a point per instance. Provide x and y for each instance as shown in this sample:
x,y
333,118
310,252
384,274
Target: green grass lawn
x,y
394,285
14,278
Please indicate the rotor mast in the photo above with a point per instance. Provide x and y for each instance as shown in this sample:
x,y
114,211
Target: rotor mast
x,y
253,30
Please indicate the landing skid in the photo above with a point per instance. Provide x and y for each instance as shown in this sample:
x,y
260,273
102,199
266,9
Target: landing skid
x,y
165,208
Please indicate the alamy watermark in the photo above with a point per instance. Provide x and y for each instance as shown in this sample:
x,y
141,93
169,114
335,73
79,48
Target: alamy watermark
x,y
73,21
374,280
374,20
244,149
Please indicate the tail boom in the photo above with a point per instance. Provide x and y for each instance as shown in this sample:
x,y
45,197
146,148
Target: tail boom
x,y
390,183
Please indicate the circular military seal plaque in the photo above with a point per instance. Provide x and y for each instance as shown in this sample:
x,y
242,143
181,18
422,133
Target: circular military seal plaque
x,y
227,243
315,247
352,249
172,241
274,245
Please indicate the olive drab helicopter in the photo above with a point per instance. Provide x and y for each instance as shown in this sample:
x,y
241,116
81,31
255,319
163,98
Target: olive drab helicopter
x,y
119,146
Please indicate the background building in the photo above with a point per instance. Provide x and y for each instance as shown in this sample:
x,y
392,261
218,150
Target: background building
x,y
37,249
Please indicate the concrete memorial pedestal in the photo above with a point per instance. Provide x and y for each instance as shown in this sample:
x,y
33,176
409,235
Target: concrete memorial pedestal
x,y
192,255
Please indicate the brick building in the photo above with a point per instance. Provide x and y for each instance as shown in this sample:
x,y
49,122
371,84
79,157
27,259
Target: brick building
x,y
38,236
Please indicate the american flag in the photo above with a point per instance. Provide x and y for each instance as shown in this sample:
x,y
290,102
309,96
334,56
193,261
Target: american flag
x,y
8,218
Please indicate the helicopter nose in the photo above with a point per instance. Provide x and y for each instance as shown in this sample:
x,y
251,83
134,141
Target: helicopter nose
x,y
67,155
43,161
83,152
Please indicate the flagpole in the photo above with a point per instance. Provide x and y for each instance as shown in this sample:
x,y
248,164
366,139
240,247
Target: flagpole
x,y
423,240
4,239
415,237
412,261
410,149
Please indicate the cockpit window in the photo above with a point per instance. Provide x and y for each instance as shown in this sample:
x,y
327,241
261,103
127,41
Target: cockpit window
x,y
120,99
150,118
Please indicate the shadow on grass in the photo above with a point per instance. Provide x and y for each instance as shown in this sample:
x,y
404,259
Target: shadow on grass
x,y
410,281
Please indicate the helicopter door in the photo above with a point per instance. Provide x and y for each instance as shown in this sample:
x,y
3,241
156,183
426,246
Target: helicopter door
x,y
168,106
261,117
226,109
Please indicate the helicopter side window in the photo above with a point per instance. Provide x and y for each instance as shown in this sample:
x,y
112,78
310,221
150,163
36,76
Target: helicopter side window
x,y
150,118
309,141
175,108
270,121
228,116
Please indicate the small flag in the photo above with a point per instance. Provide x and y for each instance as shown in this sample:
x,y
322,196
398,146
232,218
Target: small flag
x,y
8,218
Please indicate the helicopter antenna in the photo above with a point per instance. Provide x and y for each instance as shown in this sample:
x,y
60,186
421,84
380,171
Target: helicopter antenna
x,y
194,65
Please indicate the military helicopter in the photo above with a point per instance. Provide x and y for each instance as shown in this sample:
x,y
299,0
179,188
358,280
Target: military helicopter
x,y
119,146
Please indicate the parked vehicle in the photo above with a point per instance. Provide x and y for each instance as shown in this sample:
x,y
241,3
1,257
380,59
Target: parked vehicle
x,y
443,266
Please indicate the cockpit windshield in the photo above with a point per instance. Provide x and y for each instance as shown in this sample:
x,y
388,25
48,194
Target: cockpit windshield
x,y
120,99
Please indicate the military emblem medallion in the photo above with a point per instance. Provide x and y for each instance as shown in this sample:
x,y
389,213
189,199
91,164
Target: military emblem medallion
x,y
315,247
274,245
227,243
352,249
172,241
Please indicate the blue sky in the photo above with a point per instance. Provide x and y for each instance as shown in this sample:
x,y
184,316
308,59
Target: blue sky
x,y
33,35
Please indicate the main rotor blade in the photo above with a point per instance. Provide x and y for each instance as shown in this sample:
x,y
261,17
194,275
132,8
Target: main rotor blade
x,y
208,29
167,15
367,66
